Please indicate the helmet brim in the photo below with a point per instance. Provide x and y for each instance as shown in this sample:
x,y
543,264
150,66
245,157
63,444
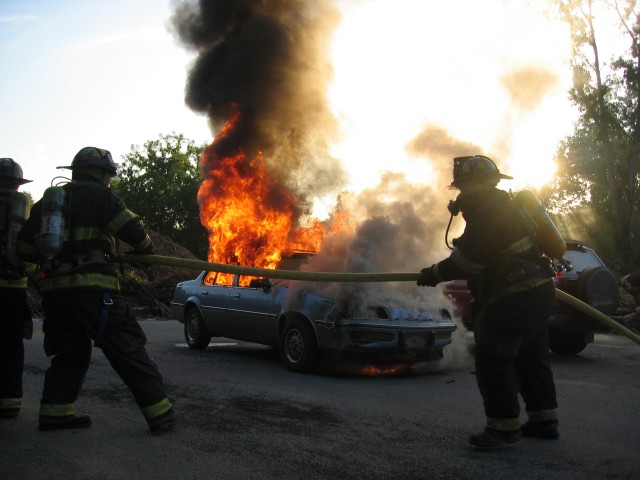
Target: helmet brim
x,y
499,176
19,181
71,167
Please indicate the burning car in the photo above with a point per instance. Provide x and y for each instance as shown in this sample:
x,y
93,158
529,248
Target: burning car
x,y
302,325
569,329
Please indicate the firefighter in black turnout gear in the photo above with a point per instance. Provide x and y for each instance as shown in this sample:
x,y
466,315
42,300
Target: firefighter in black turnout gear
x,y
512,283
16,323
79,289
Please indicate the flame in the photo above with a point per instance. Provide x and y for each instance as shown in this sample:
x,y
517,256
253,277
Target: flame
x,y
374,370
371,370
252,219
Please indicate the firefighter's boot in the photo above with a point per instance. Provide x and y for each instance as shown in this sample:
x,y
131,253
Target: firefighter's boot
x,y
9,412
53,422
490,438
162,423
546,429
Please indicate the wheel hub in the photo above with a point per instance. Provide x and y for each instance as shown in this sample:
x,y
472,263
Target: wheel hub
x,y
295,346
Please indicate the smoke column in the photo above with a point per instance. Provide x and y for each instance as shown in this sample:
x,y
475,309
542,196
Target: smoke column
x,y
268,61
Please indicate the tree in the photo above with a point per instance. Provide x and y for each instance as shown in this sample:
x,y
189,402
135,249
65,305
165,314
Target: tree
x,y
160,183
598,164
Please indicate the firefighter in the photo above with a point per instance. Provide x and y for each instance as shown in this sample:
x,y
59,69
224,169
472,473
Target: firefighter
x,y
16,323
511,281
79,289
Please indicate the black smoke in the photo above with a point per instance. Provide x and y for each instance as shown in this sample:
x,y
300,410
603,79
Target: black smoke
x,y
268,61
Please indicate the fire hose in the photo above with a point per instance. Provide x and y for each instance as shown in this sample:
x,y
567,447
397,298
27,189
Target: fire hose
x,y
597,315
347,277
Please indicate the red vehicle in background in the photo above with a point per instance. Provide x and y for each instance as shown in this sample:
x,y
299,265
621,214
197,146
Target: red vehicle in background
x,y
570,330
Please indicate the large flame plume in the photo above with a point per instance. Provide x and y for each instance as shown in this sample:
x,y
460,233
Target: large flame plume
x,y
261,77
250,215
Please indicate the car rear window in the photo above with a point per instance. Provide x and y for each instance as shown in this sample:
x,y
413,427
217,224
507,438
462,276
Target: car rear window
x,y
581,260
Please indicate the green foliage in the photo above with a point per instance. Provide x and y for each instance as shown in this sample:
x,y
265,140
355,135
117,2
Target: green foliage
x,y
160,183
30,197
598,183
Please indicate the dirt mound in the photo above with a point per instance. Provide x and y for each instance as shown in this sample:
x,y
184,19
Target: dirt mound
x,y
151,296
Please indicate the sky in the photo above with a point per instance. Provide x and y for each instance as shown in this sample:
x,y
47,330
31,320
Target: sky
x,y
79,73
491,74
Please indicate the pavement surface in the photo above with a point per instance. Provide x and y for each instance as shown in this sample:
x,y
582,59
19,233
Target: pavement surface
x,y
242,415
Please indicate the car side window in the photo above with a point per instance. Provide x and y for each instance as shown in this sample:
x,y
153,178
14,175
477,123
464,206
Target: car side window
x,y
210,278
253,282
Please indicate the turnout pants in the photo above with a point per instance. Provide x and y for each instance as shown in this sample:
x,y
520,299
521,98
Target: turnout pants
x,y
512,356
15,314
72,320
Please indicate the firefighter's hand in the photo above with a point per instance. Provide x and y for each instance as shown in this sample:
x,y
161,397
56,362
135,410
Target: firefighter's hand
x,y
427,278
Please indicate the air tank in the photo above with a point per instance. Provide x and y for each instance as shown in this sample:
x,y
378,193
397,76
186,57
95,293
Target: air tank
x,y
540,224
18,211
51,238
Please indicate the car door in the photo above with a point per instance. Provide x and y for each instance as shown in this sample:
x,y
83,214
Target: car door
x,y
213,302
248,310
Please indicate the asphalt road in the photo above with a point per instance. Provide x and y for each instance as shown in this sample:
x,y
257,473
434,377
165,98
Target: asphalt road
x,y
242,415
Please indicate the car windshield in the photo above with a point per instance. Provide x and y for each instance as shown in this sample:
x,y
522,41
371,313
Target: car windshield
x,y
582,259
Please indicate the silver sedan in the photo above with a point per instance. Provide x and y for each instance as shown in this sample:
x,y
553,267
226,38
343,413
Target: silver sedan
x,y
304,326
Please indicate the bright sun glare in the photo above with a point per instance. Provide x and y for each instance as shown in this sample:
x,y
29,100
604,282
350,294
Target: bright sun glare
x,y
399,66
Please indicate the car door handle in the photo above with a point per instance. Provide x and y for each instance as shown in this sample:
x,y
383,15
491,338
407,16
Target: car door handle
x,y
235,295
205,293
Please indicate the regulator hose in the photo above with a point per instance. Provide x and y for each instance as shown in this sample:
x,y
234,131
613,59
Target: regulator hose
x,y
346,277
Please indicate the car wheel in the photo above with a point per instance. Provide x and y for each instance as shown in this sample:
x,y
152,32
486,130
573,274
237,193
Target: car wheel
x,y
195,332
299,348
598,287
567,343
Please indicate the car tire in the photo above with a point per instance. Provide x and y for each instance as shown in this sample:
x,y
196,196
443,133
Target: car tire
x,y
298,346
195,331
598,287
567,343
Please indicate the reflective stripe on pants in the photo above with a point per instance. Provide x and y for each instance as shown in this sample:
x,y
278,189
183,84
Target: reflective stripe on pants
x,y
157,409
56,410
10,403
542,415
503,424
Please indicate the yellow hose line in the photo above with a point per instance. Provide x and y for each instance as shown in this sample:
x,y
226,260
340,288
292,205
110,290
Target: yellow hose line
x,y
266,272
347,277
597,315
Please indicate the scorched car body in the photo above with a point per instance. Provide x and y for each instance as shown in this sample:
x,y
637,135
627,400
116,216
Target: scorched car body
x,y
304,326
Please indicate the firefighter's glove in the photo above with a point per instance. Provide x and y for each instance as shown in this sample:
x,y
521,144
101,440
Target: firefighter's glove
x,y
427,278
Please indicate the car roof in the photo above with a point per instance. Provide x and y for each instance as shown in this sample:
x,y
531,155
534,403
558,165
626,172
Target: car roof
x,y
577,243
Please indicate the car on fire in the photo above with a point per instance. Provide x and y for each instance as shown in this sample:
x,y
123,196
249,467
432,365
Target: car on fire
x,y
585,277
302,325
